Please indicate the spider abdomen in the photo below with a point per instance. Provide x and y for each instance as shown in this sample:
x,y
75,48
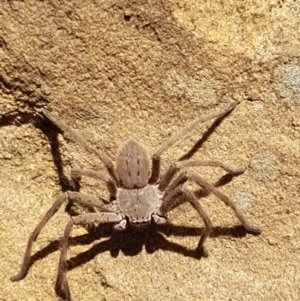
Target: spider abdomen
x,y
133,165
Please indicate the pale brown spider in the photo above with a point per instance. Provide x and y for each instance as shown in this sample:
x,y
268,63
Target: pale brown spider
x,y
138,195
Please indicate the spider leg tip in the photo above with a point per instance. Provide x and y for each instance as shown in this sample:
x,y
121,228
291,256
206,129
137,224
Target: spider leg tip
x,y
257,230
202,251
239,170
15,278
232,106
254,230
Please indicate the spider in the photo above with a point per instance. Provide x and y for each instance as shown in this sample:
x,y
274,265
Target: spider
x,y
138,194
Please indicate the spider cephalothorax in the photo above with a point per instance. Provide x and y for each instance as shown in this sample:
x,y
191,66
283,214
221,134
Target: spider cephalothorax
x,y
138,194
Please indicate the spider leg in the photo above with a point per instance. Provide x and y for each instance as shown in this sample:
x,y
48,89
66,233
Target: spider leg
x,y
156,160
62,286
169,175
79,139
76,175
175,190
210,188
188,196
81,198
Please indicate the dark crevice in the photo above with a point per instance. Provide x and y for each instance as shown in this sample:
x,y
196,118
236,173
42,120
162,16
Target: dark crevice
x,y
16,118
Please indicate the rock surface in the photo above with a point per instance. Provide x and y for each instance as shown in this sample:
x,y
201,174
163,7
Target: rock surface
x,y
141,69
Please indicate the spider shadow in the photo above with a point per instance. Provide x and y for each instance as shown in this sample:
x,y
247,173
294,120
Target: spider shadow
x,y
132,240
204,138
51,132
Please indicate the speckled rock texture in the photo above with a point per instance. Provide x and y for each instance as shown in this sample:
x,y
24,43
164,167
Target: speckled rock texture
x,y
141,69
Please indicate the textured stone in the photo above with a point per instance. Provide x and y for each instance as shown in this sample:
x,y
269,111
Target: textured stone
x,y
141,69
